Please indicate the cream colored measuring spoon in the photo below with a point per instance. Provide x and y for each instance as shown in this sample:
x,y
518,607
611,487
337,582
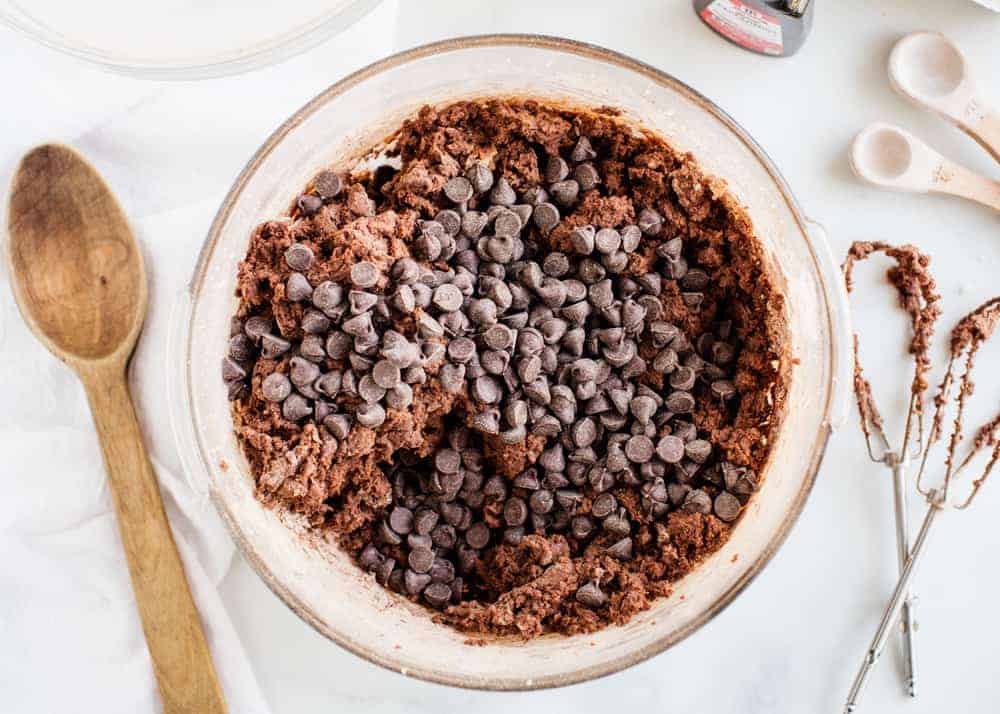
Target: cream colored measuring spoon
x,y
927,69
893,158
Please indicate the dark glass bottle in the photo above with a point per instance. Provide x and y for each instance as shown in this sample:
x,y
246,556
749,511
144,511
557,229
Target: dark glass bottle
x,y
777,28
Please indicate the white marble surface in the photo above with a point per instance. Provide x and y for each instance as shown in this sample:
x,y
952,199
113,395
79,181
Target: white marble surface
x,y
791,642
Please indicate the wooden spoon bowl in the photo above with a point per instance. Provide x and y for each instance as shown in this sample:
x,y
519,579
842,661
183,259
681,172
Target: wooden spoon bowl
x,y
80,278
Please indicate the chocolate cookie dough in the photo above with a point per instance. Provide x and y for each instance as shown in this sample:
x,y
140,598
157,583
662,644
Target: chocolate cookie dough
x,y
527,370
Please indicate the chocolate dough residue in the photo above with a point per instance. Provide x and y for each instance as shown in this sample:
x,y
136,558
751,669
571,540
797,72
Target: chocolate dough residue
x,y
917,297
966,339
340,485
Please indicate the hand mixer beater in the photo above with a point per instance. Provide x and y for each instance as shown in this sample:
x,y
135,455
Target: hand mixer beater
x,y
917,297
954,391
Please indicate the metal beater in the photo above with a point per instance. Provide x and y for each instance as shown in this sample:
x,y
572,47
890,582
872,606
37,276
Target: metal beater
x,y
921,303
966,339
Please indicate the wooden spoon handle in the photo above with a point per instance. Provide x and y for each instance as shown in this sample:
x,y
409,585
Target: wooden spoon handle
x,y
957,180
987,133
176,642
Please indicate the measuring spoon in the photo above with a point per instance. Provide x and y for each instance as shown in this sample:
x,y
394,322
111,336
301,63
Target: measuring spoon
x,y
893,158
929,70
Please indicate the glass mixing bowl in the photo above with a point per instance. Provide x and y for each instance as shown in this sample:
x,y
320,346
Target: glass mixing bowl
x,y
316,579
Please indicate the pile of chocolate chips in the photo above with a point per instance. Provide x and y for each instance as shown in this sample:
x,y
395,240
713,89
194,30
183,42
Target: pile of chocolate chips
x,y
543,343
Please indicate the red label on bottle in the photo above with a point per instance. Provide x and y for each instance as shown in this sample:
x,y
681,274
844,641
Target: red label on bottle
x,y
745,25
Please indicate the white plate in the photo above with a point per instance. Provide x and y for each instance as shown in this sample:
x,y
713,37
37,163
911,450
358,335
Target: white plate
x,y
182,39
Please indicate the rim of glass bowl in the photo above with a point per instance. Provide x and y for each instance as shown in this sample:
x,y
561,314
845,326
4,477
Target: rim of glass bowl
x,y
834,313
271,51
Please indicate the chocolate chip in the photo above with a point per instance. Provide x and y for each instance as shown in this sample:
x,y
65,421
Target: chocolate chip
x,y
507,224
670,448
315,322
600,294
370,415
694,280
487,390
586,176
693,300
723,389
302,372
583,239
420,560
727,506
458,189
556,265
528,480
478,535
327,297
545,216
744,487
583,151
621,550
309,204
424,521
541,501
256,327
369,557
591,595
532,197
443,571
428,246
328,185
617,523
604,505
556,169
272,346
649,221
607,241
502,194
386,374
698,450
437,595
415,582
338,425
231,370
631,236
241,348
480,177
563,403
401,520
361,301
565,192
697,501
473,224
450,220
297,288
299,257
444,536
683,378
680,402
675,268
600,478
513,536
581,527
515,511
639,449
295,407
236,389
384,570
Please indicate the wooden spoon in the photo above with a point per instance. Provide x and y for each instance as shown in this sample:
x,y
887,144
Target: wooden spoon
x,y
79,280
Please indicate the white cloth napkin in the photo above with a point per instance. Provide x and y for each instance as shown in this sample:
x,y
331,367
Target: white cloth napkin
x,y
70,636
